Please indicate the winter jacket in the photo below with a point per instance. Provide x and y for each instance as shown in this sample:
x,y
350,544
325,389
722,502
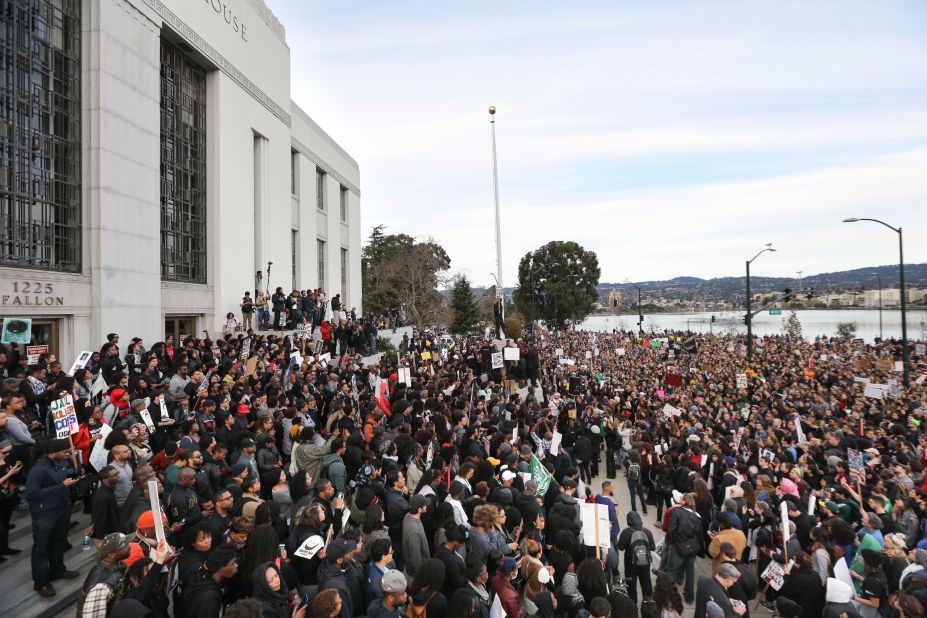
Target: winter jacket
x,y
335,470
202,598
508,596
635,524
414,544
308,456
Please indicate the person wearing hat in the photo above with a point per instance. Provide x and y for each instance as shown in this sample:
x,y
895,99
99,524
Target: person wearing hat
x,y
394,597
414,541
332,572
205,596
503,588
872,591
714,589
104,578
48,492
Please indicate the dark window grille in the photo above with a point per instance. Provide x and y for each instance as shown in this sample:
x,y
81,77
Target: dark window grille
x,y
40,147
183,167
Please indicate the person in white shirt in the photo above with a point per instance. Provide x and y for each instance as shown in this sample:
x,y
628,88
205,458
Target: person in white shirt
x,y
454,496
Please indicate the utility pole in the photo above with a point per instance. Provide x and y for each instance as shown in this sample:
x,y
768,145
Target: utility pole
x,y
748,318
500,291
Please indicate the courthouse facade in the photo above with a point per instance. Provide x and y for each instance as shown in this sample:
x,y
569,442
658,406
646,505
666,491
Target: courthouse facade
x,y
151,161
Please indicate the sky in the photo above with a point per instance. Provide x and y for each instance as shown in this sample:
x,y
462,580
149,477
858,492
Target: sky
x,y
671,138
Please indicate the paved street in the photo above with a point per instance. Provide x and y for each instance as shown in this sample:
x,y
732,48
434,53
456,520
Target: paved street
x,y
623,498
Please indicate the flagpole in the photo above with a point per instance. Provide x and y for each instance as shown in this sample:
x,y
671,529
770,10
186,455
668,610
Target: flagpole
x,y
500,290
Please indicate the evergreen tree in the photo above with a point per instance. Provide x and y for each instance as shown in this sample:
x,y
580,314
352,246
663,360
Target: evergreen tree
x,y
466,313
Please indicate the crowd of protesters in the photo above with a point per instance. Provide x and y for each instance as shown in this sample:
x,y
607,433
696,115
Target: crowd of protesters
x,y
295,480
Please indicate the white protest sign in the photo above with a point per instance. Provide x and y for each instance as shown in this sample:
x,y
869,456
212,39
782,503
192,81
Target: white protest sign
x,y
324,358
156,509
98,454
669,410
296,358
80,362
595,352
899,366
310,547
620,351
64,416
921,379
245,350
405,375
514,434
596,527
164,413
876,391
774,575
784,519
842,573
855,462
497,361
799,433
812,502
567,361
496,610
511,354
555,443
861,380
99,385
146,417
588,355
559,352
741,380
920,348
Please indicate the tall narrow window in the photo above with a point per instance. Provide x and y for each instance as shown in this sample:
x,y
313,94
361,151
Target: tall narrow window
x,y
344,205
320,189
40,134
344,276
294,172
183,167
294,255
321,258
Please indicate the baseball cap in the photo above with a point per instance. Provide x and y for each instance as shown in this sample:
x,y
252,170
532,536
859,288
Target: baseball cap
x,y
339,548
393,581
114,541
677,496
146,520
508,475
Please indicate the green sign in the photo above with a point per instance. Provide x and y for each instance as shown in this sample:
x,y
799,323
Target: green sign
x,y
775,312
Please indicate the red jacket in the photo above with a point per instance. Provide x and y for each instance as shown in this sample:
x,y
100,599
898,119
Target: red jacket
x,y
508,596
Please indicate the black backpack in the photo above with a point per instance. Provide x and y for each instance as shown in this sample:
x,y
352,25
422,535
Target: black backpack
x,y
634,472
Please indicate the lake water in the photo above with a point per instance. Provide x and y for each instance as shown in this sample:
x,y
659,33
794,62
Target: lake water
x,y
813,322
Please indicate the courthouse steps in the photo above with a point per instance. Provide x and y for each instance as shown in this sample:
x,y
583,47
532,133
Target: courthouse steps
x,y
17,598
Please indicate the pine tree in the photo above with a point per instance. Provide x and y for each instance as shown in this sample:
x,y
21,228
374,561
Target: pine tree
x,y
791,327
466,313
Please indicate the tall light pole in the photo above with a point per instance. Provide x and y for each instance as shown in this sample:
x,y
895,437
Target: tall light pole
x,y
500,292
748,318
905,353
799,279
640,313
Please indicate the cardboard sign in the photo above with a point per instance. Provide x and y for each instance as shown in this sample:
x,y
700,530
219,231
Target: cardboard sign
x,y
405,375
98,454
774,575
251,366
855,463
34,351
883,364
80,362
596,528
555,443
156,509
16,330
497,361
146,417
511,354
64,416
875,391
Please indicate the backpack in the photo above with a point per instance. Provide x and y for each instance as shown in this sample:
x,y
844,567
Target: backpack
x,y
640,546
419,611
634,472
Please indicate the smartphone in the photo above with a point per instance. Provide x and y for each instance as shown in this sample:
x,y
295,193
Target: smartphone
x,y
281,547
341,495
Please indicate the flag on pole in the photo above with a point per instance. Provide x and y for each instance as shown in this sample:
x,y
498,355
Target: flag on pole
x,y
540,475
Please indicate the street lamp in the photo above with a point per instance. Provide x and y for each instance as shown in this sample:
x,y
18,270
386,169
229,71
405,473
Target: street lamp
x,y
640,313
879,280
749,317
905,353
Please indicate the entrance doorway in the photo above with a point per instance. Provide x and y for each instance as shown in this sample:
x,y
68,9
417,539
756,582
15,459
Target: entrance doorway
x,y
45,332
179,326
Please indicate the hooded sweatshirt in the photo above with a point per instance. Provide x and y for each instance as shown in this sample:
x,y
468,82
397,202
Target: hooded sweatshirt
x,y
838,600
274,602
635,524
334,468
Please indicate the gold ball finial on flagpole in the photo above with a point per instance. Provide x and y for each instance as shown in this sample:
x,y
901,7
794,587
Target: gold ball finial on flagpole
x,y
492,110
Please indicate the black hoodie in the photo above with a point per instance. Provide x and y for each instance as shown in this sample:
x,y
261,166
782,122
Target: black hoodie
x,y
203,597
635,524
